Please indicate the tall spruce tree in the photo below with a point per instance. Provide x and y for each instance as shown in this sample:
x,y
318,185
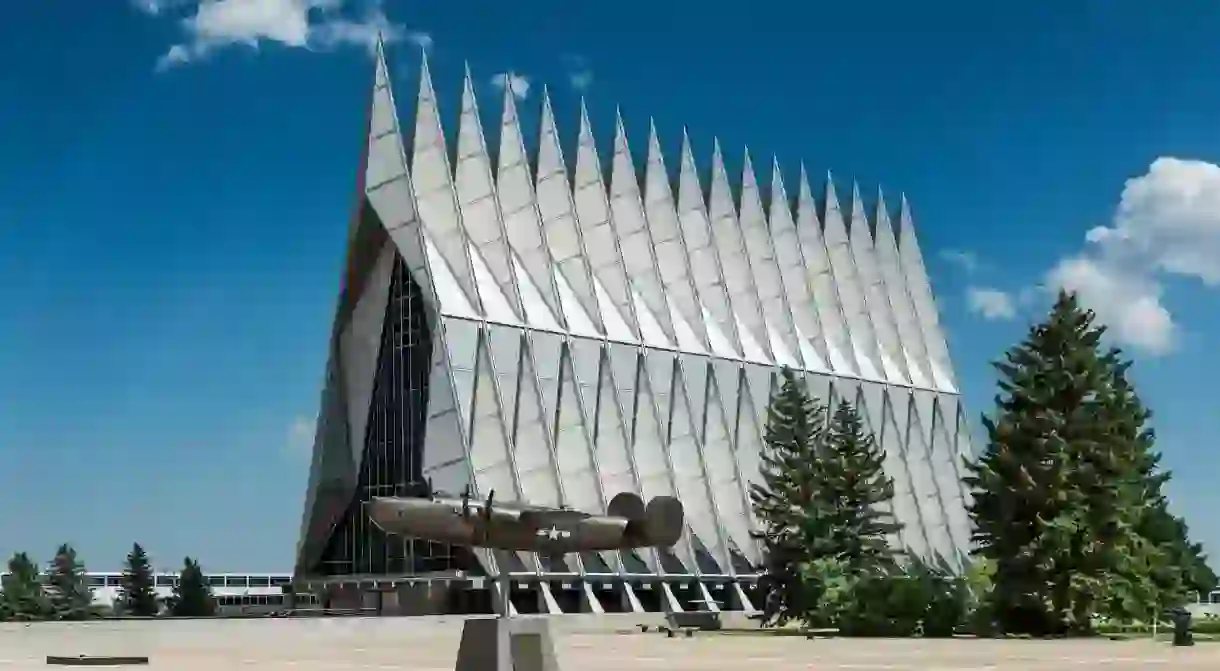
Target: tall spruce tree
x,y
192,595
23,595
852,491
68,588
1058,491
784,502
137,595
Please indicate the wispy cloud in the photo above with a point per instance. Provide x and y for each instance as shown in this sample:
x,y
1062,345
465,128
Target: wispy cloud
x,y
991,303
420,39
964,259
580,75
212,25
300,436
518,84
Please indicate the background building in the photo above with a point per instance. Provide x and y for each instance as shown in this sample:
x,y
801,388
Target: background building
x,y
562,328
236,593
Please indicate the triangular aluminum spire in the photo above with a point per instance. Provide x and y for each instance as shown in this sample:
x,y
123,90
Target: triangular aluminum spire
x,y
594,220
434,191
738,276
553,188
706,270
515,187
387,227
631,226
889,350
777,315
910,335
920,288
672,261
851,292
790,262
822,285
480,209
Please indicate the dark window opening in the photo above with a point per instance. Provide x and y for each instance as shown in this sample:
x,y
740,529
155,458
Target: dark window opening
x,y
392,455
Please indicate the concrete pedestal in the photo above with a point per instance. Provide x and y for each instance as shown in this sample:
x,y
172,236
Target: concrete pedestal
x,y
507,644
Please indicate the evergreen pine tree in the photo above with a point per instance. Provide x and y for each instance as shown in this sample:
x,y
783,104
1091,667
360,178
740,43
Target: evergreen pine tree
x,y
1178,566
852,489
192,595
23,595
1057,492
784,502
68,588
136,595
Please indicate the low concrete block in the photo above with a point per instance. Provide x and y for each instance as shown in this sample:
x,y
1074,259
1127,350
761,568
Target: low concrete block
x,y
520,643
96,660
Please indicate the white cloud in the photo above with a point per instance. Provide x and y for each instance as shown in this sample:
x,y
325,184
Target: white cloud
x,y
518,84
300,435
1167,224
1127,301
990,303
964,259
309,24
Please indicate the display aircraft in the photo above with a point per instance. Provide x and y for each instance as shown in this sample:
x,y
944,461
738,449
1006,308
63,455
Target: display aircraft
x,y
462,520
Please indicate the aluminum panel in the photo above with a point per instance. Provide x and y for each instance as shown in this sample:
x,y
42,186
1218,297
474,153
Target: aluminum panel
x,y
435,199
822,284
533,450
673,267
773,301
790,265
910,335
522,223
601,243
876,300
705,271
851,292
920,288
631,228
360,346
480,210
559,225
735,264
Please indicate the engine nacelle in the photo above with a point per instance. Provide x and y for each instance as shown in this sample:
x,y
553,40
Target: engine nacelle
x,y
658,524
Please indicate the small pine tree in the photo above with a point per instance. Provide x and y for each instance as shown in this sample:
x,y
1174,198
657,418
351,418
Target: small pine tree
x,y
784,502
192,595
136,595
23,595
853,490
68,588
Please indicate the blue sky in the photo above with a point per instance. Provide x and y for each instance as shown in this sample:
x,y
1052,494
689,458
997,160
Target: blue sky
x,y
173,203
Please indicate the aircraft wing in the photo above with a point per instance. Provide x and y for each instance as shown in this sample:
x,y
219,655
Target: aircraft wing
x,y
548,517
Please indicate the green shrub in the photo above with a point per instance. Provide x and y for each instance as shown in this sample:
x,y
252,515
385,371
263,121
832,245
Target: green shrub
x,y
920,598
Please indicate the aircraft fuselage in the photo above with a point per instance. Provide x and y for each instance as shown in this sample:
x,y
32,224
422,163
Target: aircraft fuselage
x,y
517,527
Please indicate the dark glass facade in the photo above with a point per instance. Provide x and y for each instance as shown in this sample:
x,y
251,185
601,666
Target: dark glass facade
x,y
392,454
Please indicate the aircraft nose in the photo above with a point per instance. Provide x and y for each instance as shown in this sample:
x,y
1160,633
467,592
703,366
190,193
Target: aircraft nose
x,y
396,515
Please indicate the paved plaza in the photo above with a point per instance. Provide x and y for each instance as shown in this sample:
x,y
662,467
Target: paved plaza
x,y
585,643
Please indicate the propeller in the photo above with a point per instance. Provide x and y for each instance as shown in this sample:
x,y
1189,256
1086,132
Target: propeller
x,y
466,503
486,512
